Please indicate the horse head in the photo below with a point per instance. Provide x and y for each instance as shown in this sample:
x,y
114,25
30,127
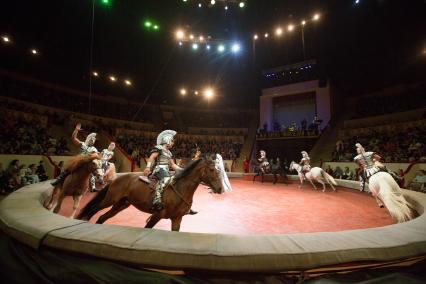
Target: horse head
x,y
95,167
211,175
294,166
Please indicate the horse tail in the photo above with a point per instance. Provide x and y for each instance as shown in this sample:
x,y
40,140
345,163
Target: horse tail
x,y
392,197
92,207
328,177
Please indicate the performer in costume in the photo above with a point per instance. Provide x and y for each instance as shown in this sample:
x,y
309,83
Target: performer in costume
x,y
263,162
370,164
305,162
86,147
107,155
159,163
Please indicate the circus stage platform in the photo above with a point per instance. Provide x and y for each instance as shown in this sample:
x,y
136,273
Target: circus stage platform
x,y
265,208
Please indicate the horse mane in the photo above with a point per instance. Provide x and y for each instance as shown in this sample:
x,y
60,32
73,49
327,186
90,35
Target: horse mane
x,y
187,170
78,161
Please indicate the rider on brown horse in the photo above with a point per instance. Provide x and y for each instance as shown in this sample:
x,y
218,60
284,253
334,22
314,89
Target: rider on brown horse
x,y
86,147
158,165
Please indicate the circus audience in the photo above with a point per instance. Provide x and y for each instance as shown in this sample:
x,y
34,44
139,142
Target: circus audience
x,y
27,136
139,146
405,144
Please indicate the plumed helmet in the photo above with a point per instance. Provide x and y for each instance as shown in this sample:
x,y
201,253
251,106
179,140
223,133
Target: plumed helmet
x,y
89,138
304,153
359,146
165,137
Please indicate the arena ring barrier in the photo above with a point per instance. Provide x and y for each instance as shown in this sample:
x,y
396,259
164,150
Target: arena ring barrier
x,y
23,217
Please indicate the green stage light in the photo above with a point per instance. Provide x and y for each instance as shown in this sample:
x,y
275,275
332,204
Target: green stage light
x,y
148,24
106,2
156,27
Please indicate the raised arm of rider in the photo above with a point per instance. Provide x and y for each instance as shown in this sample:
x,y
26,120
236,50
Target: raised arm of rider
x,y
151,159
74,138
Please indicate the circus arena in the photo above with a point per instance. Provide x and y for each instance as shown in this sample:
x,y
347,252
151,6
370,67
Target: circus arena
x,y
213,141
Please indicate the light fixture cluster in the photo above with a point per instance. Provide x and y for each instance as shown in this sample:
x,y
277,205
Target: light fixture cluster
x,y
197,42
207,92
112,78
226,4
7,40
290,27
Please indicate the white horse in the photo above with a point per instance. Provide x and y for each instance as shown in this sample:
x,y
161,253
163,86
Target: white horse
x,y
387,192
316,174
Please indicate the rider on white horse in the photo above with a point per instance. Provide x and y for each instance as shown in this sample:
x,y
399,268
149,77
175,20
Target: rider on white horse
x,y
369,163
305,163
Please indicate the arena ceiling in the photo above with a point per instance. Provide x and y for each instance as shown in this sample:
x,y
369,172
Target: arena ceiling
x,y
359,46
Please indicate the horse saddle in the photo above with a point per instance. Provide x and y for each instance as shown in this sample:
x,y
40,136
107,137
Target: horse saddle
x,y
151,182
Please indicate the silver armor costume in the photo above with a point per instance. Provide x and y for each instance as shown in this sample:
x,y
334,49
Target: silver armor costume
x,y
161,166
365,160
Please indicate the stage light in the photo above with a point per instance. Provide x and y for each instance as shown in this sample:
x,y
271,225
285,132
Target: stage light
x,y
183,92
266,35
34,51
303,22
184,0
200,5
95,74
242,4
255,37
208,93
290,27
357,2
212,2
195,46
221,48
156,27
226,7
128,82
235,48
148,24
196,93
5,39
279,31
112,78
208,47
316,17
201,38
180,43
191,37
106,2
180,34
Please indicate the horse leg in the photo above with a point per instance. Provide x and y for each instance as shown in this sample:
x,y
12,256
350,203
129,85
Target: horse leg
x,y
322,183
48,203
115,209
379,201
254,177
313,185
59,202
176,223
301,180
77,199
153,220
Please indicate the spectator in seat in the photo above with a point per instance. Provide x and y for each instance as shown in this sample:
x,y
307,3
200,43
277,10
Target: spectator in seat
x,y
329,170
338,172
419,182
41,172
347,174
31,176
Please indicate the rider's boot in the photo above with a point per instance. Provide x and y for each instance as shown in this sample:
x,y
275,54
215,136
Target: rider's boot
x,y
157,205
192,212
60,179
92,184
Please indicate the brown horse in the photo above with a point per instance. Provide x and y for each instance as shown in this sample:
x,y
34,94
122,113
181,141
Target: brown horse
x,y
77,182
177,198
